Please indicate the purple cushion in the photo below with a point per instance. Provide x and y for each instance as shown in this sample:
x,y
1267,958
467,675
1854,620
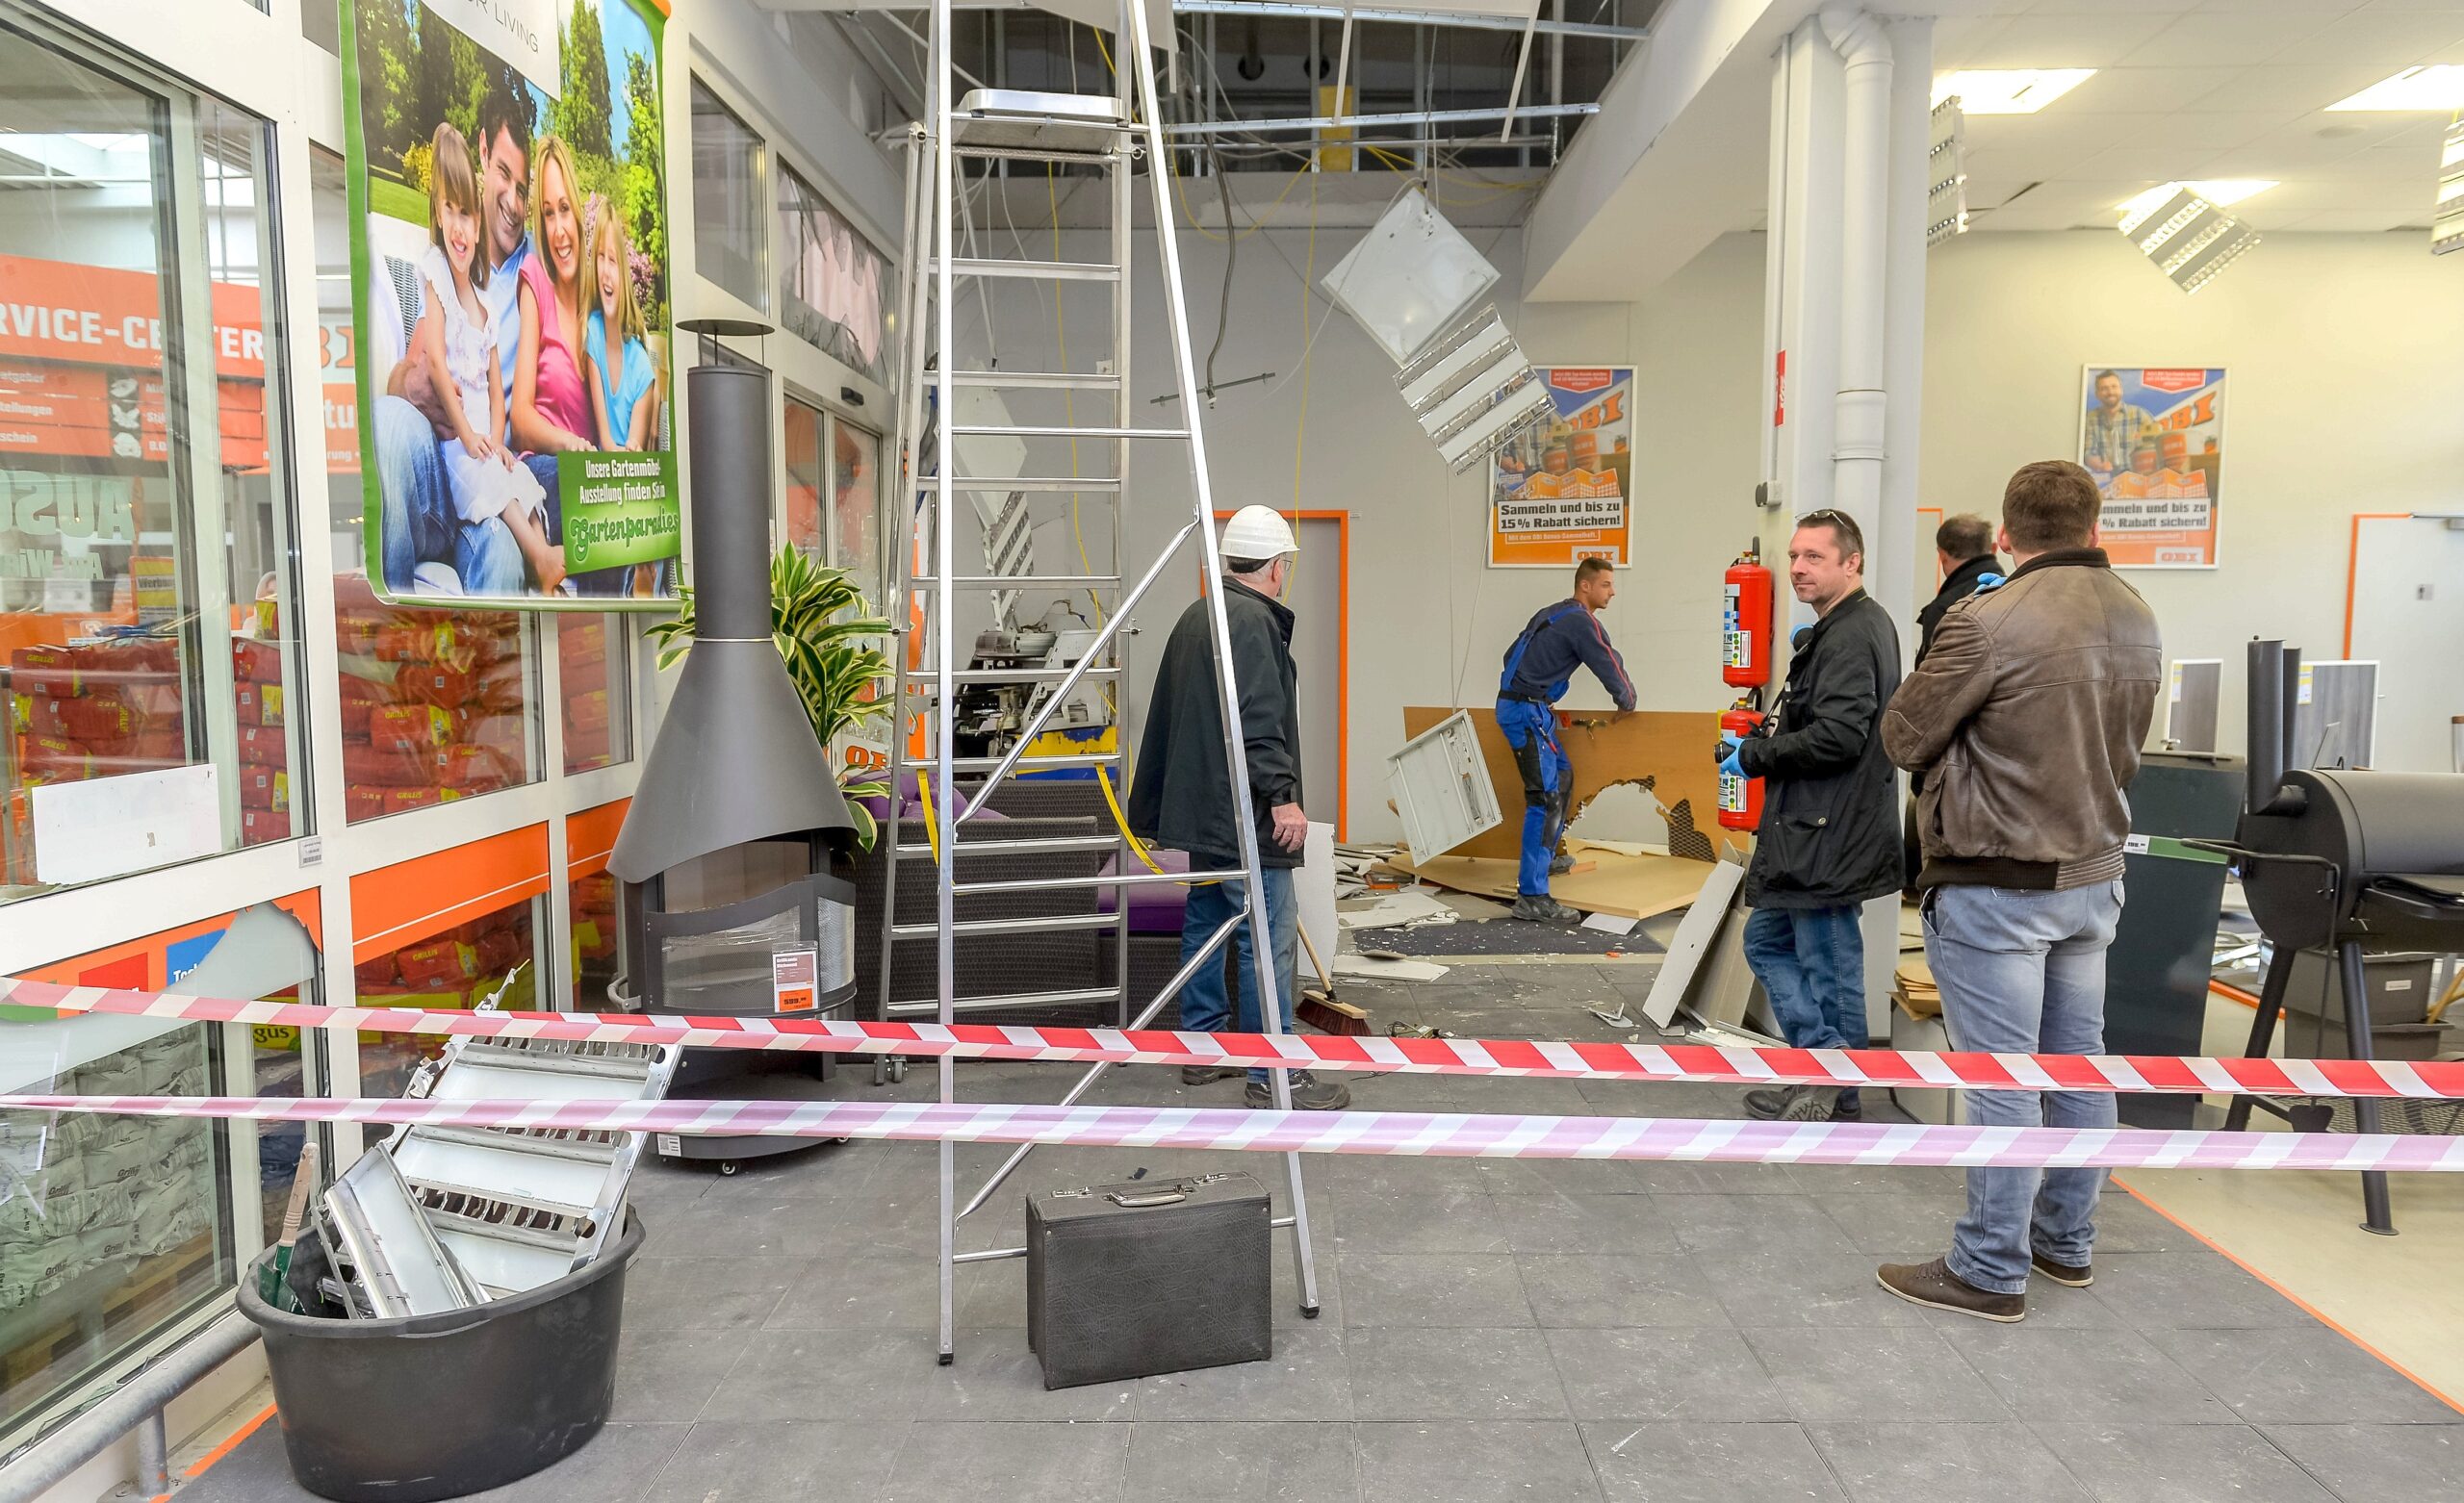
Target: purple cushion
x,y
1154,907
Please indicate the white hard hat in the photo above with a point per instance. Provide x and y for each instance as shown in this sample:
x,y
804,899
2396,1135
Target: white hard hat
x,y
1258,532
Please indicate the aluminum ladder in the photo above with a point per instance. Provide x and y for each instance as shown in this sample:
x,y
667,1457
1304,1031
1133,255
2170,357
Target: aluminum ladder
x,y
1109,133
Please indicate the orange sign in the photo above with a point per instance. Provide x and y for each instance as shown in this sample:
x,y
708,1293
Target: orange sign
x,y
1560,493
98,316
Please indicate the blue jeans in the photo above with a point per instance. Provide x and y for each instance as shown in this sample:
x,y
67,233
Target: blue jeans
x,y
2024,973
1204,1006
420,524
1811,962
1532,731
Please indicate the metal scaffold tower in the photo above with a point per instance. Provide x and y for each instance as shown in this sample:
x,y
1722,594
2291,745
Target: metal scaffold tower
x,y
939,436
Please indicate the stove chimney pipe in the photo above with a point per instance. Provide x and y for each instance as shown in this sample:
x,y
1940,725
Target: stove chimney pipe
x,y
2274,680
728,420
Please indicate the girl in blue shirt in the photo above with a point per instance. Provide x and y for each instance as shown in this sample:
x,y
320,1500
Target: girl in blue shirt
x,y
619,368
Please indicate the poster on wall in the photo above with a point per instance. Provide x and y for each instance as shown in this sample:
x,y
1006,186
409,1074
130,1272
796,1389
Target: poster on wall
x,y
509,268
2154,439
1558,493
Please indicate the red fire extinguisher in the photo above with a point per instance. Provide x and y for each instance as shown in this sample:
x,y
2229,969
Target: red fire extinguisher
x,y
1745,622
1740,798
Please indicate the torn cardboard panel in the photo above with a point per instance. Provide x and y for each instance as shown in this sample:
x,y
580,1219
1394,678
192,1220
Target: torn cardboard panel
x,y
1667,753
1629,886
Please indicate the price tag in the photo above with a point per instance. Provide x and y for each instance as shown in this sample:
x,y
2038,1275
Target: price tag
x,y
670,1146
793,974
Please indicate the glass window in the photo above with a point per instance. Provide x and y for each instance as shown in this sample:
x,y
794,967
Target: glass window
x,y
147,567
730,200
593,656
802,524
108,1225
834,287
855,528
594,940
437,705
458,968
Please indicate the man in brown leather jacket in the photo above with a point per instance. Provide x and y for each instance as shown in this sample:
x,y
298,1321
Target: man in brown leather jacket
x,y
2026,717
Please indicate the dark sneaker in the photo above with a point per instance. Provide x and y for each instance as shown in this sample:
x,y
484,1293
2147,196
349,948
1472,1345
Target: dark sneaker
x,y
1209,1074
1308,1094
1934,1287
1560,864
1845,1110
1540,908
1809,1104
2078,1277
1801,1104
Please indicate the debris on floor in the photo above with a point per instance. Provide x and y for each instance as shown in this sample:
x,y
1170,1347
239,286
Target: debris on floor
x,y
1628,887
1386,968
1406,908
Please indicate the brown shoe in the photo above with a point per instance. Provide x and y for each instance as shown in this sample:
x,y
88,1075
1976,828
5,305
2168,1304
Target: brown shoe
x,y
2076,1278
1934,1286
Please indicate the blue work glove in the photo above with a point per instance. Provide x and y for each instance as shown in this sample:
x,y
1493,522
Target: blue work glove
x,y
1729,760
1985,583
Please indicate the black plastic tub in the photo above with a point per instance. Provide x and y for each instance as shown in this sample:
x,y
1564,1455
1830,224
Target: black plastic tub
x,y
431,1407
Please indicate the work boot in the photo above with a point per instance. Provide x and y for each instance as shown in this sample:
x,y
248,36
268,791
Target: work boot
x,y
2077,1277
1541,908
1798,1104
1560,864
1934,1287
1308,1094
1209,1074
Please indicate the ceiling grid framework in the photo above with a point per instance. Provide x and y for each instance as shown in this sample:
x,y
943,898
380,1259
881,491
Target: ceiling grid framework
x,y
2189,91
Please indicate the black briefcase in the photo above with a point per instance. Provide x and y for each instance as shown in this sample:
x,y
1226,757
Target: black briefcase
x,y
1126,1281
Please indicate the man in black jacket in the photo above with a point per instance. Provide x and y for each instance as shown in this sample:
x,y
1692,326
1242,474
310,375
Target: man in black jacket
x,y
1965,547
1182,798
1829,834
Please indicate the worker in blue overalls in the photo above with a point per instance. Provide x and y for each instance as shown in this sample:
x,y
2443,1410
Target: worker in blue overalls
x,y
1538,668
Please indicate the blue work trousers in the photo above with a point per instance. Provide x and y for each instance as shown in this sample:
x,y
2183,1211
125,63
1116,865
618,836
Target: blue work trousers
x,y
1547,773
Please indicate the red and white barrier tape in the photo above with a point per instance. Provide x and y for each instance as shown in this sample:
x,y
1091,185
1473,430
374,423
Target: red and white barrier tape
x,y
1449,1135
2420,1080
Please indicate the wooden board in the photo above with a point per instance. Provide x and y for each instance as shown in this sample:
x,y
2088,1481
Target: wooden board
x,y
1630,886
1669,752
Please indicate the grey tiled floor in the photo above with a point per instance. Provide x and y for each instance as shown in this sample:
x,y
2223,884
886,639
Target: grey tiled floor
x,y
1528,1331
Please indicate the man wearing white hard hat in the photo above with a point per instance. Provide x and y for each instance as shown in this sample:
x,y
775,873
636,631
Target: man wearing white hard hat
x,y
1182,795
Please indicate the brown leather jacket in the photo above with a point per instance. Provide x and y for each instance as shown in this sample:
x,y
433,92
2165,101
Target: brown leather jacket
x,y
2026,719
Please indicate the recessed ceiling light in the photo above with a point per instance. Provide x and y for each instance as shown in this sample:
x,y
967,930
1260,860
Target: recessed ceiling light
x,y
2219,193
2440,86
2007,90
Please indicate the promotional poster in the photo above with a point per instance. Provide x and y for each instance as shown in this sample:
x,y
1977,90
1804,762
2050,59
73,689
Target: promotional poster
x,y
510,287
1558,493
2154,439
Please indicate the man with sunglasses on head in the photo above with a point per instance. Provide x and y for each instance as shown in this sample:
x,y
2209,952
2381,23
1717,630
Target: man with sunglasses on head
x,y
1830,836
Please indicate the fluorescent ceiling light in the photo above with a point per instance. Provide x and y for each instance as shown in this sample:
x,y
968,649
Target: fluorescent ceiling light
x,y
2007,90
2219,193
2440,86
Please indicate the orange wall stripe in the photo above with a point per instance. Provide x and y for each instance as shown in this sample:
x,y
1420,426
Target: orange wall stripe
x,y
590,838
408,901
2352,564
147,951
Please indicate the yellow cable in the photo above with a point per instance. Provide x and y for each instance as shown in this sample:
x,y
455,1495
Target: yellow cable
x,y
932,835
1120,822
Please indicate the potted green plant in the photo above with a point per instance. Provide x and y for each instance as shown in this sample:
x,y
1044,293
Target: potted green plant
x,y
830,639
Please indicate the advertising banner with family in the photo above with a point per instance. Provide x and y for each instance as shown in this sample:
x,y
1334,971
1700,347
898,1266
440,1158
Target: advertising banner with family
x,y
1558,495
509,262
2154,439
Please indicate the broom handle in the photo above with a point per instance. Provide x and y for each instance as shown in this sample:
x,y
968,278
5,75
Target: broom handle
x,y
1316,964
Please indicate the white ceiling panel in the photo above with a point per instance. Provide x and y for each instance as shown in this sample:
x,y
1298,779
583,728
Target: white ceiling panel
x,y
2212,37
2307,87
2360,221
2066,41
2158,161
2142,91
2387,39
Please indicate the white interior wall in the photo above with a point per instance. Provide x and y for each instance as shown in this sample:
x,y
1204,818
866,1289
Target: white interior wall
x,y
2342,391
1429,621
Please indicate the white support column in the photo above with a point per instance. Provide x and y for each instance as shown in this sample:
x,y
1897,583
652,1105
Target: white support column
x,y
1801,357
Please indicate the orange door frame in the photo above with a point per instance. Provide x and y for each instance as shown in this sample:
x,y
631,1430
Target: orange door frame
x,y
1343,656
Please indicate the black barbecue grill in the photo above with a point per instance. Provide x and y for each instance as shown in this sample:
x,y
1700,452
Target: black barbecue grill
x,y
2349,860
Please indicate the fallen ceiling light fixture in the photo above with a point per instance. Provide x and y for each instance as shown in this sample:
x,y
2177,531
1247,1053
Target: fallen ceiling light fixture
x,y
2188,239
2447,214
1475,390
1947,173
